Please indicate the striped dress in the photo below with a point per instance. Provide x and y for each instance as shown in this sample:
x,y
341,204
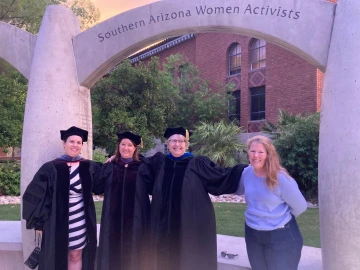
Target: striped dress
x,y
77,226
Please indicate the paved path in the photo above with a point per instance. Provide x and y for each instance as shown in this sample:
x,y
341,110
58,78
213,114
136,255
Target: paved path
x,y
10,240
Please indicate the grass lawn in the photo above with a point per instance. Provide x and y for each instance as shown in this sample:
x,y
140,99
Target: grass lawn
x,y
229,220
9,211
12,211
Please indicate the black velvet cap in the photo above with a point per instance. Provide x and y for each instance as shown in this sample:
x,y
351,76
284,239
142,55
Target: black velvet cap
x,y
178,130
131,136
64,134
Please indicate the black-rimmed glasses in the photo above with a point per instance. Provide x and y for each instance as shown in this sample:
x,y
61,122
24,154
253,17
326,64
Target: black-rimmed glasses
x,y
228,255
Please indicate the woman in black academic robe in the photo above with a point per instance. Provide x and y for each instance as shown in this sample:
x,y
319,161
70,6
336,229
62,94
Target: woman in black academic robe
x,y
183,225
121,232
58,202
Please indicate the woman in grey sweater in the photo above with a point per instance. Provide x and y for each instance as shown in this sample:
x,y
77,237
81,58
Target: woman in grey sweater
x,y
273,239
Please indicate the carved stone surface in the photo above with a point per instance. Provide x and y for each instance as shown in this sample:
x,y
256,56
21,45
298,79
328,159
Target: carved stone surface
x,y
339,150
17,47
62,63
54,100
304,27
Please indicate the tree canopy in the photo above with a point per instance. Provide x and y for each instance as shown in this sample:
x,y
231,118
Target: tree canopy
x,y
132,98
12,106
196,101
27,14
148,98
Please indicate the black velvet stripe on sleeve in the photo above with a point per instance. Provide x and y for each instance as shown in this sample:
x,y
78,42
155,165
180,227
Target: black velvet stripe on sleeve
x,y
61,226
36,200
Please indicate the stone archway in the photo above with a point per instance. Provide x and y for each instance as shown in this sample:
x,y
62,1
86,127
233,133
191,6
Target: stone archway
x,y
284,23
62,64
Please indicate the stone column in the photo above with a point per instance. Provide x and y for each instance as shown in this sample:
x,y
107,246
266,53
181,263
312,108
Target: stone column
x,y
339,151
54,99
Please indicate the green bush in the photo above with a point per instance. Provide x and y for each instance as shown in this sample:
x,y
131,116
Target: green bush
x,y
219,142
296,138
99,155
10,178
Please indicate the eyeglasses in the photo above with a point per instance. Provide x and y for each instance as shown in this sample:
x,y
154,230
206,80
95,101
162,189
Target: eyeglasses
x,y
228,255
175,141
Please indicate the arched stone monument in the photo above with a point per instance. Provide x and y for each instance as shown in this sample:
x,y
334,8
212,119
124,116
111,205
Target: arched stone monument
x,y
62,64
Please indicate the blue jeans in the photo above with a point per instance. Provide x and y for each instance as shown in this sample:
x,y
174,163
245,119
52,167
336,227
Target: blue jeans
x,y
278,249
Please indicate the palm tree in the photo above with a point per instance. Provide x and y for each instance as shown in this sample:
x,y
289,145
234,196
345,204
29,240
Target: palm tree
x,y
219,141
284,120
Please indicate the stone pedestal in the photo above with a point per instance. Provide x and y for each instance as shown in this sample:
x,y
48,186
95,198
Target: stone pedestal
x,y
339,157
54,99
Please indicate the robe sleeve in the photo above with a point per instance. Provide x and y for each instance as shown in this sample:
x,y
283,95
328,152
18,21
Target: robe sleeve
x,y
141,222
37,200
217,180
101,173
148,169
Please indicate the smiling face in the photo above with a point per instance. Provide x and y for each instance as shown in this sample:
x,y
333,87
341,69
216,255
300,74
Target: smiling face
x,y
126,148
73,145
257,156
177,145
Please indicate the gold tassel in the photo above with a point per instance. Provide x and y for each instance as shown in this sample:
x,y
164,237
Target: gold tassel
x,y
141,145
187,137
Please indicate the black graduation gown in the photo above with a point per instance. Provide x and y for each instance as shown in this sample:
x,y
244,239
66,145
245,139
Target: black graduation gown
x,y
183,225
46,208
121,231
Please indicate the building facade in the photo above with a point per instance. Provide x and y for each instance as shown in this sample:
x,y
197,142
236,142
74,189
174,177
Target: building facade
x,y
266,77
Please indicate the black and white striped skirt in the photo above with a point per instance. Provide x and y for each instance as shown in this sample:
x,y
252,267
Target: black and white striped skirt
x,y
77,225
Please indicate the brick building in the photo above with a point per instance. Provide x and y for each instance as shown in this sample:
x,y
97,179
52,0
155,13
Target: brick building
x,y
9,155
266,77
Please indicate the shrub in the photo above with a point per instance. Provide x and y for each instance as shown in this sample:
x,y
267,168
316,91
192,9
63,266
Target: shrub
x,y
296,139
10,178
99,155
219,141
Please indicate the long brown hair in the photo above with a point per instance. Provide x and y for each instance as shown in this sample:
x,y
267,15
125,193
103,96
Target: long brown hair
x,y
272,162
118,155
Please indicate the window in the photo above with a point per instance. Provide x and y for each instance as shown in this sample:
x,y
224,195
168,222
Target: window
x,y
234,59
234,106
258,54
184,71
172,73
257,103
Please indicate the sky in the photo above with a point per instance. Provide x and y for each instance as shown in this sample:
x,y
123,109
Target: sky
x,y
110,8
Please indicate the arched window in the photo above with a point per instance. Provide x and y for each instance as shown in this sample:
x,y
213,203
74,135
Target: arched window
x,y
234,59
258,54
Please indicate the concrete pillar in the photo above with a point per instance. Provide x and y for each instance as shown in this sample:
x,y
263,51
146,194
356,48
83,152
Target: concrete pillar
x,y
54,99
339,152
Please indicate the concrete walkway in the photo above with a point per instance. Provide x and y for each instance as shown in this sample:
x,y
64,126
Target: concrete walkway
x,y
310,256
11,251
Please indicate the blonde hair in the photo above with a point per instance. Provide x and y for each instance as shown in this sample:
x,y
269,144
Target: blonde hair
x,y
272,162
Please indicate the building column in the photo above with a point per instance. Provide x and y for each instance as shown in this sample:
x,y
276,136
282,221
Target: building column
x,y
339,150
54,100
